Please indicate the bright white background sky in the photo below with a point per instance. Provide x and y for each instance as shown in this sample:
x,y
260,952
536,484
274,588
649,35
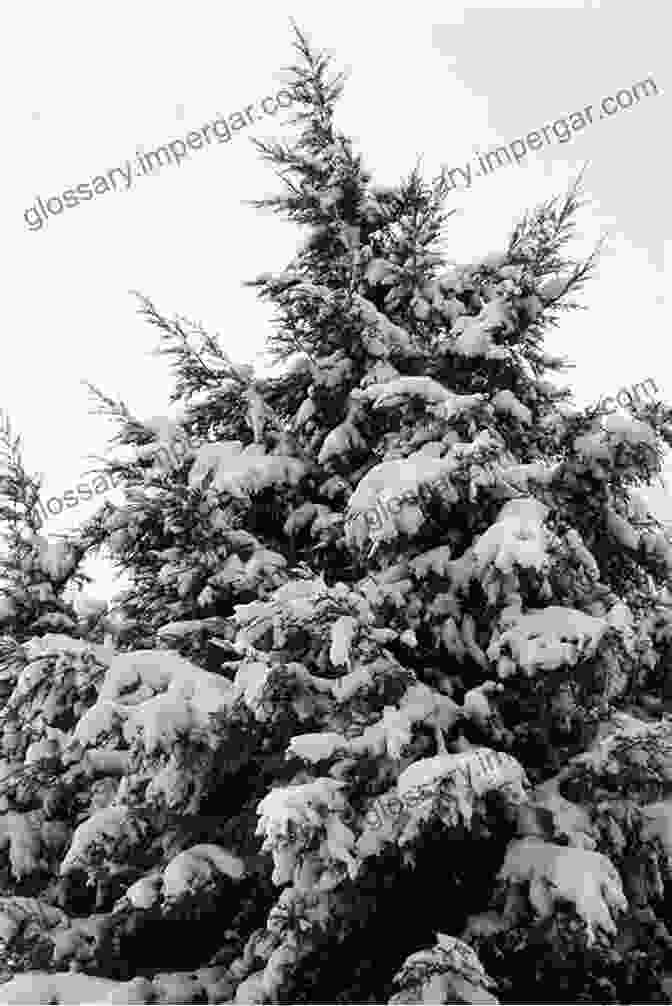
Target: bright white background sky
x,y
85,87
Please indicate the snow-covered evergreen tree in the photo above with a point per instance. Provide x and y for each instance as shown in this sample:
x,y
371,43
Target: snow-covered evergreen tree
x,y
34,572
381,717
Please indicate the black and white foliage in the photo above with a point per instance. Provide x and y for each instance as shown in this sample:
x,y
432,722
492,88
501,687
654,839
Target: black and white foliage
x,y
317,756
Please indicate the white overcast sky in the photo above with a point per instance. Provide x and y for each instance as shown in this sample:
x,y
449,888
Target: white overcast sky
x,y
84,87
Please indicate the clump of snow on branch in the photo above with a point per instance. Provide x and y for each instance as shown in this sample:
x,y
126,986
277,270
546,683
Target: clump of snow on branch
x,y
157,693
198,869
545,639
506,401
448,785
303,827
241,472
517,536
98,836
587,880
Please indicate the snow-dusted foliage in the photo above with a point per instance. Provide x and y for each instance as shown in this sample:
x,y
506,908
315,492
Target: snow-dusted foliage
x,y
449,972
34,572
382,714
